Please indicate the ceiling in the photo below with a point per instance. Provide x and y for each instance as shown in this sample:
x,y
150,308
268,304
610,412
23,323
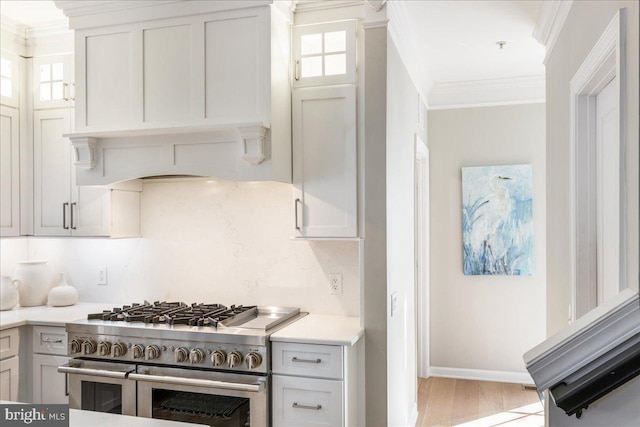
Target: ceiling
x,y
444,42
458,38
32,13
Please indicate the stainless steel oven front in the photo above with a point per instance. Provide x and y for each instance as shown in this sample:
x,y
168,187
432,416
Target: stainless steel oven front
x,y
211,398
101,386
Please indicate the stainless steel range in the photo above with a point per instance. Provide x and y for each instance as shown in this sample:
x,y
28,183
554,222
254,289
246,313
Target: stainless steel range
x,y
200,363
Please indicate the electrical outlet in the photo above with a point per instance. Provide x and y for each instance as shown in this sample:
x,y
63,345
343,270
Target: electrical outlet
x,y
102,275
335,283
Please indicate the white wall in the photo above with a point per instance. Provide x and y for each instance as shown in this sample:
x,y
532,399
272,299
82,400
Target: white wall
x,y
402,122
483,323
216,241
584,25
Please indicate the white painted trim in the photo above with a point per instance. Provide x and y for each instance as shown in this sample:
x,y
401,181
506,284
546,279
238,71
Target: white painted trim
x,y
476,93
376,24
422,249
605,61
551,19
485,104
481,375
405,41
413,419
315,5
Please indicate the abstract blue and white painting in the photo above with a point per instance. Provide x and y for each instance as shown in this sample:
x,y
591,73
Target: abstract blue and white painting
x,y
497,220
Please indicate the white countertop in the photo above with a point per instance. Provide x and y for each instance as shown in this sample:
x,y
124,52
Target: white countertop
x,y
322,329
79,418
47,315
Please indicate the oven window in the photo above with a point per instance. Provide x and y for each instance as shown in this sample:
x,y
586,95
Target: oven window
x,y
197,408
101,397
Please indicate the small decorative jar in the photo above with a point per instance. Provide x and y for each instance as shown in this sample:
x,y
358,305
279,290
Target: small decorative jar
x,y
35,282
8,293
63,294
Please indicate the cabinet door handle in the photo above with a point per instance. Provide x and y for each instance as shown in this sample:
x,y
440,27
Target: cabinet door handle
x,y
73,224
49,340
64,216
313,407
296,360
295,211
295,70
66,384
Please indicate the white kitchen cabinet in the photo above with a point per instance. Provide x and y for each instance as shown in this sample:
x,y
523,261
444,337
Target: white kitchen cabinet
x,y
49,352
9,364
9,172
53,84
9,79
325,162
324,54
208,68
313,385
63,209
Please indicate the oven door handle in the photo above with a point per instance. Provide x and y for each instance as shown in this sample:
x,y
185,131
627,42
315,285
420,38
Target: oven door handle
x,y
256,388
69,369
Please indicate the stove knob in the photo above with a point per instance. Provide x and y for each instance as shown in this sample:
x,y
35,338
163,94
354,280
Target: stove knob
x,y
218,357
253,360
89,347
138,351
235,359
76,346
197,355
181,354
119,349
151,352
104,348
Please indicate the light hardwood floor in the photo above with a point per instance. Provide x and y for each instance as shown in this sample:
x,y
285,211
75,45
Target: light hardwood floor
x,y
445,402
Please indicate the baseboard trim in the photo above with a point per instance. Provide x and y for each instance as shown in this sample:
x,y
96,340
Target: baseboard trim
x,y
481,375
414,415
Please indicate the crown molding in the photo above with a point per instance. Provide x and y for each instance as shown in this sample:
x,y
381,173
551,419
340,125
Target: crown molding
x,y
92,14
57,32
484,93
405,41
13,33
315,5
551,19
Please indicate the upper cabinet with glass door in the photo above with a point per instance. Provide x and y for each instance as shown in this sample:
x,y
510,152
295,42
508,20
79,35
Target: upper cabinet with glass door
x,y
324,54
53,84
9,79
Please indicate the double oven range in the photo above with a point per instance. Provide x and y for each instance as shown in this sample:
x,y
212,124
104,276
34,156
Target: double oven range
x,y
201,363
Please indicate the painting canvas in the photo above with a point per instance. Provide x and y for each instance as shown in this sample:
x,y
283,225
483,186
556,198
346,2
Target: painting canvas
x,y
497,220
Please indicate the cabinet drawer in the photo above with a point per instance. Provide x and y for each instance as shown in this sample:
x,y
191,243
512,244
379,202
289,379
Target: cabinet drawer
x,y
309,360
9,343
49,340
306,402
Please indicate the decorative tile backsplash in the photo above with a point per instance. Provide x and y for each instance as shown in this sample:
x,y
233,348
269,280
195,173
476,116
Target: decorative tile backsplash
x,y
206,241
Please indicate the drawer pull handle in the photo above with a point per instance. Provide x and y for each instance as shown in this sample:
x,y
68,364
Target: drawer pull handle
x,y
49,340
315,408
296,360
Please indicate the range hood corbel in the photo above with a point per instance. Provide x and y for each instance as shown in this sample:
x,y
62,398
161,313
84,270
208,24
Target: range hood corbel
x,y
84,148
253,143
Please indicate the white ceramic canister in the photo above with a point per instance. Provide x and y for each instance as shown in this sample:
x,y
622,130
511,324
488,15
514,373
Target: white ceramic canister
x,y
63,294
8,292
35,282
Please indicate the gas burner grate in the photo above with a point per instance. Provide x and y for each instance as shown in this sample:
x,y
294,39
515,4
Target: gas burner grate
x,y
175,313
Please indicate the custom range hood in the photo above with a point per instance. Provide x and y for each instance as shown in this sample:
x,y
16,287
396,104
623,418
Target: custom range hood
x,y
593,356
196,88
